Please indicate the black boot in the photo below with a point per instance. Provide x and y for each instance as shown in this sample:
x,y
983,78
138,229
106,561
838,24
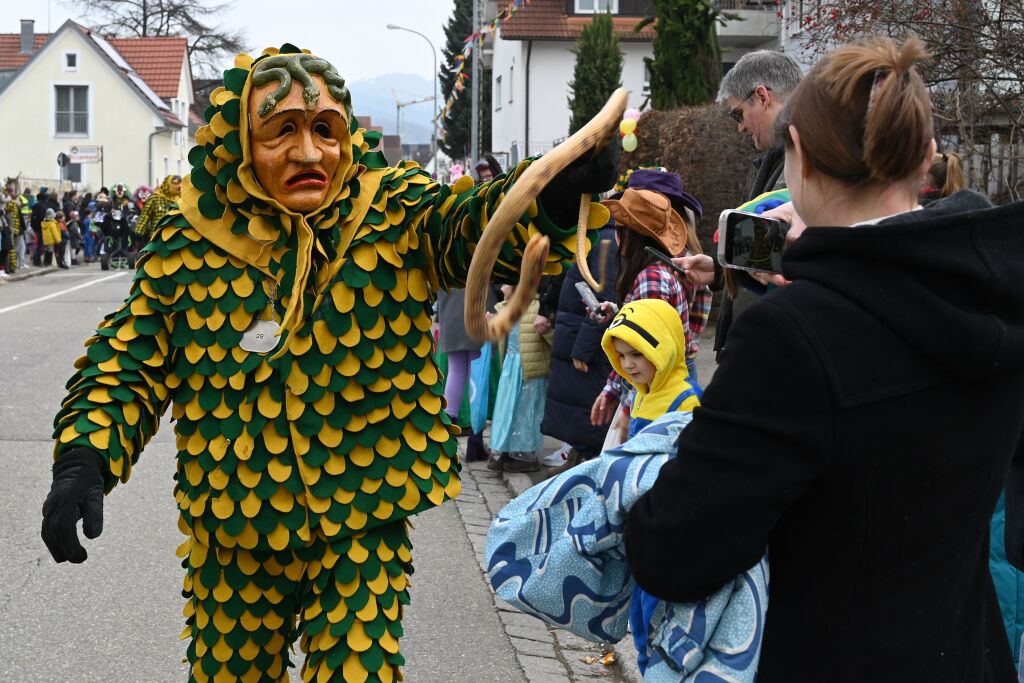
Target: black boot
x,y
475,449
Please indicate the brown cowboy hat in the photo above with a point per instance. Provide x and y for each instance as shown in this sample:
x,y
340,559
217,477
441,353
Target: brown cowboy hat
x,y
650,213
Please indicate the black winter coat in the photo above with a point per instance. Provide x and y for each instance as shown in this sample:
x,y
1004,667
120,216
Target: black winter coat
x,y
859,428
571,393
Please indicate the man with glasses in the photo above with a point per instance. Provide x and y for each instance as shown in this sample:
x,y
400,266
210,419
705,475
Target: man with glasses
x,y
754,91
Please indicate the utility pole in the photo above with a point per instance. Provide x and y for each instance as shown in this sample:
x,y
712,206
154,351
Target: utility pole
x,y
474,78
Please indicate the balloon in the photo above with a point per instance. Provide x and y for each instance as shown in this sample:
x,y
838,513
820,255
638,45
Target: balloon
x,y
627,126
629,143
632,113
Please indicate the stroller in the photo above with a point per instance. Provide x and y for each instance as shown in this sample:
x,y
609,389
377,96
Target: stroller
x,y
117,247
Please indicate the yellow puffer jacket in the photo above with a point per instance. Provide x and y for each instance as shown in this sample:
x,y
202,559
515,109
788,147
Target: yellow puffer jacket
x,y
534,349
51,232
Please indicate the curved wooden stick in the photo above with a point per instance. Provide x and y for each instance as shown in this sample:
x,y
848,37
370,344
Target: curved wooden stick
x,y
513,205
581,248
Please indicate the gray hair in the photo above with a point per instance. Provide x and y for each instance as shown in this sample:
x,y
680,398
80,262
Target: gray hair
x,y
776,71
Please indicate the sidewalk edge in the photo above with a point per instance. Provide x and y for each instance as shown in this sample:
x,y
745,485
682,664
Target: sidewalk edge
x,y
34,272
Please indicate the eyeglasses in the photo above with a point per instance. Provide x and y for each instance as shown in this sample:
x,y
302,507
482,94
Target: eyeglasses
x,y
737,113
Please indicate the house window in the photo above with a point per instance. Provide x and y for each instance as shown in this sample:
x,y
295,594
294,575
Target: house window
x,y
511,87
71,61
73,172
592,6
497,93
72,111
646,89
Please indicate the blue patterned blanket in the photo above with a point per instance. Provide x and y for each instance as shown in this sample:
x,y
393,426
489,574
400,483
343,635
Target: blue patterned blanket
x,y
557,552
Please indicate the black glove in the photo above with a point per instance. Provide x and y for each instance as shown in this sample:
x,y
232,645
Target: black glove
x,y
591,173
76,493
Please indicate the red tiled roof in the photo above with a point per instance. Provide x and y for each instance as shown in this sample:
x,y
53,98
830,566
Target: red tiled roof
x,y
547,20
10,46
158,61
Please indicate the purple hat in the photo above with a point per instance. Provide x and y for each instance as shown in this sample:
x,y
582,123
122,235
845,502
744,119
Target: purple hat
x,y
668,184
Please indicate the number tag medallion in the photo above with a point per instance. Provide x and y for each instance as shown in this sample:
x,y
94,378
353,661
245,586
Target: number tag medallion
x,y
261,337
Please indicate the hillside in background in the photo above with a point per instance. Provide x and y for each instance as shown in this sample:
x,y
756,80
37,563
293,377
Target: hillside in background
x,y
373,97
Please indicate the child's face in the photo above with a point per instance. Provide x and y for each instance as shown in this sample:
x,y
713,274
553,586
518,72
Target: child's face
x,y
634,363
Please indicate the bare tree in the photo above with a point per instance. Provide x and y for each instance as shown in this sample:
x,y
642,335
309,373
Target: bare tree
x,y
976,73
208,43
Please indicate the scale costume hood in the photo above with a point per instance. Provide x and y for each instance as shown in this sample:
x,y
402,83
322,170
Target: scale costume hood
x,y
653,327
298,467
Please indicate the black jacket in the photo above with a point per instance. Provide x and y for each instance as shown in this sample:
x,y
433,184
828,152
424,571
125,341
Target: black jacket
x,y
859,428
571,393
770,169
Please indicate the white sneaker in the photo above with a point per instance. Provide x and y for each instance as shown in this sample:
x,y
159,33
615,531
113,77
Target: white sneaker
x,y
556,458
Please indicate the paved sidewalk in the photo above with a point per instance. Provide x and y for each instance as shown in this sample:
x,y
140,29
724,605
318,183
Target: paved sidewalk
x,y
547,655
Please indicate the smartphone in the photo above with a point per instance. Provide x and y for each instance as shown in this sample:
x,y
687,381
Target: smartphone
x,y
748,241
587,295
664,258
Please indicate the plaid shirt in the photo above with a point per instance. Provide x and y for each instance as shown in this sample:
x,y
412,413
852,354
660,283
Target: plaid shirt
x,y
657,281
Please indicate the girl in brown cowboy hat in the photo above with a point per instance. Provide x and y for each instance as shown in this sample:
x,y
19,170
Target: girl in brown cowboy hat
x,y
655,211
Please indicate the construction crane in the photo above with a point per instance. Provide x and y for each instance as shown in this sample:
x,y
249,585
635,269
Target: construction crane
x,y
399,105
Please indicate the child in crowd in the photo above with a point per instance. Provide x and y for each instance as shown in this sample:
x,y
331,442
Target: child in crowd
x,y
558,550
89,234
635,344
61,251
522,390
74,238
51,236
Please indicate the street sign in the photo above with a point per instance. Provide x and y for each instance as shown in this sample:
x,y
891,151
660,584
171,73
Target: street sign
x,y
62,159
86,154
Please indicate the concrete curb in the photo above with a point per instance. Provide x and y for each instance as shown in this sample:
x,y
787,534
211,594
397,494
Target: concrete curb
x,y
23,274
624,650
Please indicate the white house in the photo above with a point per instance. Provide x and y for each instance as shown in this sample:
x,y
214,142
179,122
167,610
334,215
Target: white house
x,y
533,63
74,91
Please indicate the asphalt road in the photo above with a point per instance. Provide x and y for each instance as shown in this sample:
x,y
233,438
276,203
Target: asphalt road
x,y
117,617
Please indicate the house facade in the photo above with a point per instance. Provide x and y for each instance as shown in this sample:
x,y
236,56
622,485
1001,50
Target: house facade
x,y
533,62
121,106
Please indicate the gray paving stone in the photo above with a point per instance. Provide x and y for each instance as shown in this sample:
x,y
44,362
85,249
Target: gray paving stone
x,y
581,669
537,668
538,633
522,619
532,647
569,641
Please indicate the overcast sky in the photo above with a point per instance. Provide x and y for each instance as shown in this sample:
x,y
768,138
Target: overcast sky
x,y
351,34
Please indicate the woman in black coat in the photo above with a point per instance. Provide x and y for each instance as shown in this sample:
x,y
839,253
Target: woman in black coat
x,y
571,391
861,422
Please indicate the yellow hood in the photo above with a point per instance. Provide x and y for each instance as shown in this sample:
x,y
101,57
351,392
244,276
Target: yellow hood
x,y
223,200
652,327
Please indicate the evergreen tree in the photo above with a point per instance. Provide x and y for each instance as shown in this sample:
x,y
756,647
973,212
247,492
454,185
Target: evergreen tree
x,y
598,70
457,123
687,63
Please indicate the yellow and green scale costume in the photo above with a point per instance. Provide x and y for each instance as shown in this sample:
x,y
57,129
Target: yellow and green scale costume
x,y
155,208
13,210
296,470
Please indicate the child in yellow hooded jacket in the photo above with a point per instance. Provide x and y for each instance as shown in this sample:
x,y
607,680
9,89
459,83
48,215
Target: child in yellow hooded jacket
x,y
646,345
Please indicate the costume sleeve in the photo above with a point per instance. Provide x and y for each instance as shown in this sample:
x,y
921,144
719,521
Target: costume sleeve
x,y
453,217
758,441
118,392
145,224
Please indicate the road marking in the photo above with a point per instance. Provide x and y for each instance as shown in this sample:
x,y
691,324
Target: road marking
x,y
61,292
